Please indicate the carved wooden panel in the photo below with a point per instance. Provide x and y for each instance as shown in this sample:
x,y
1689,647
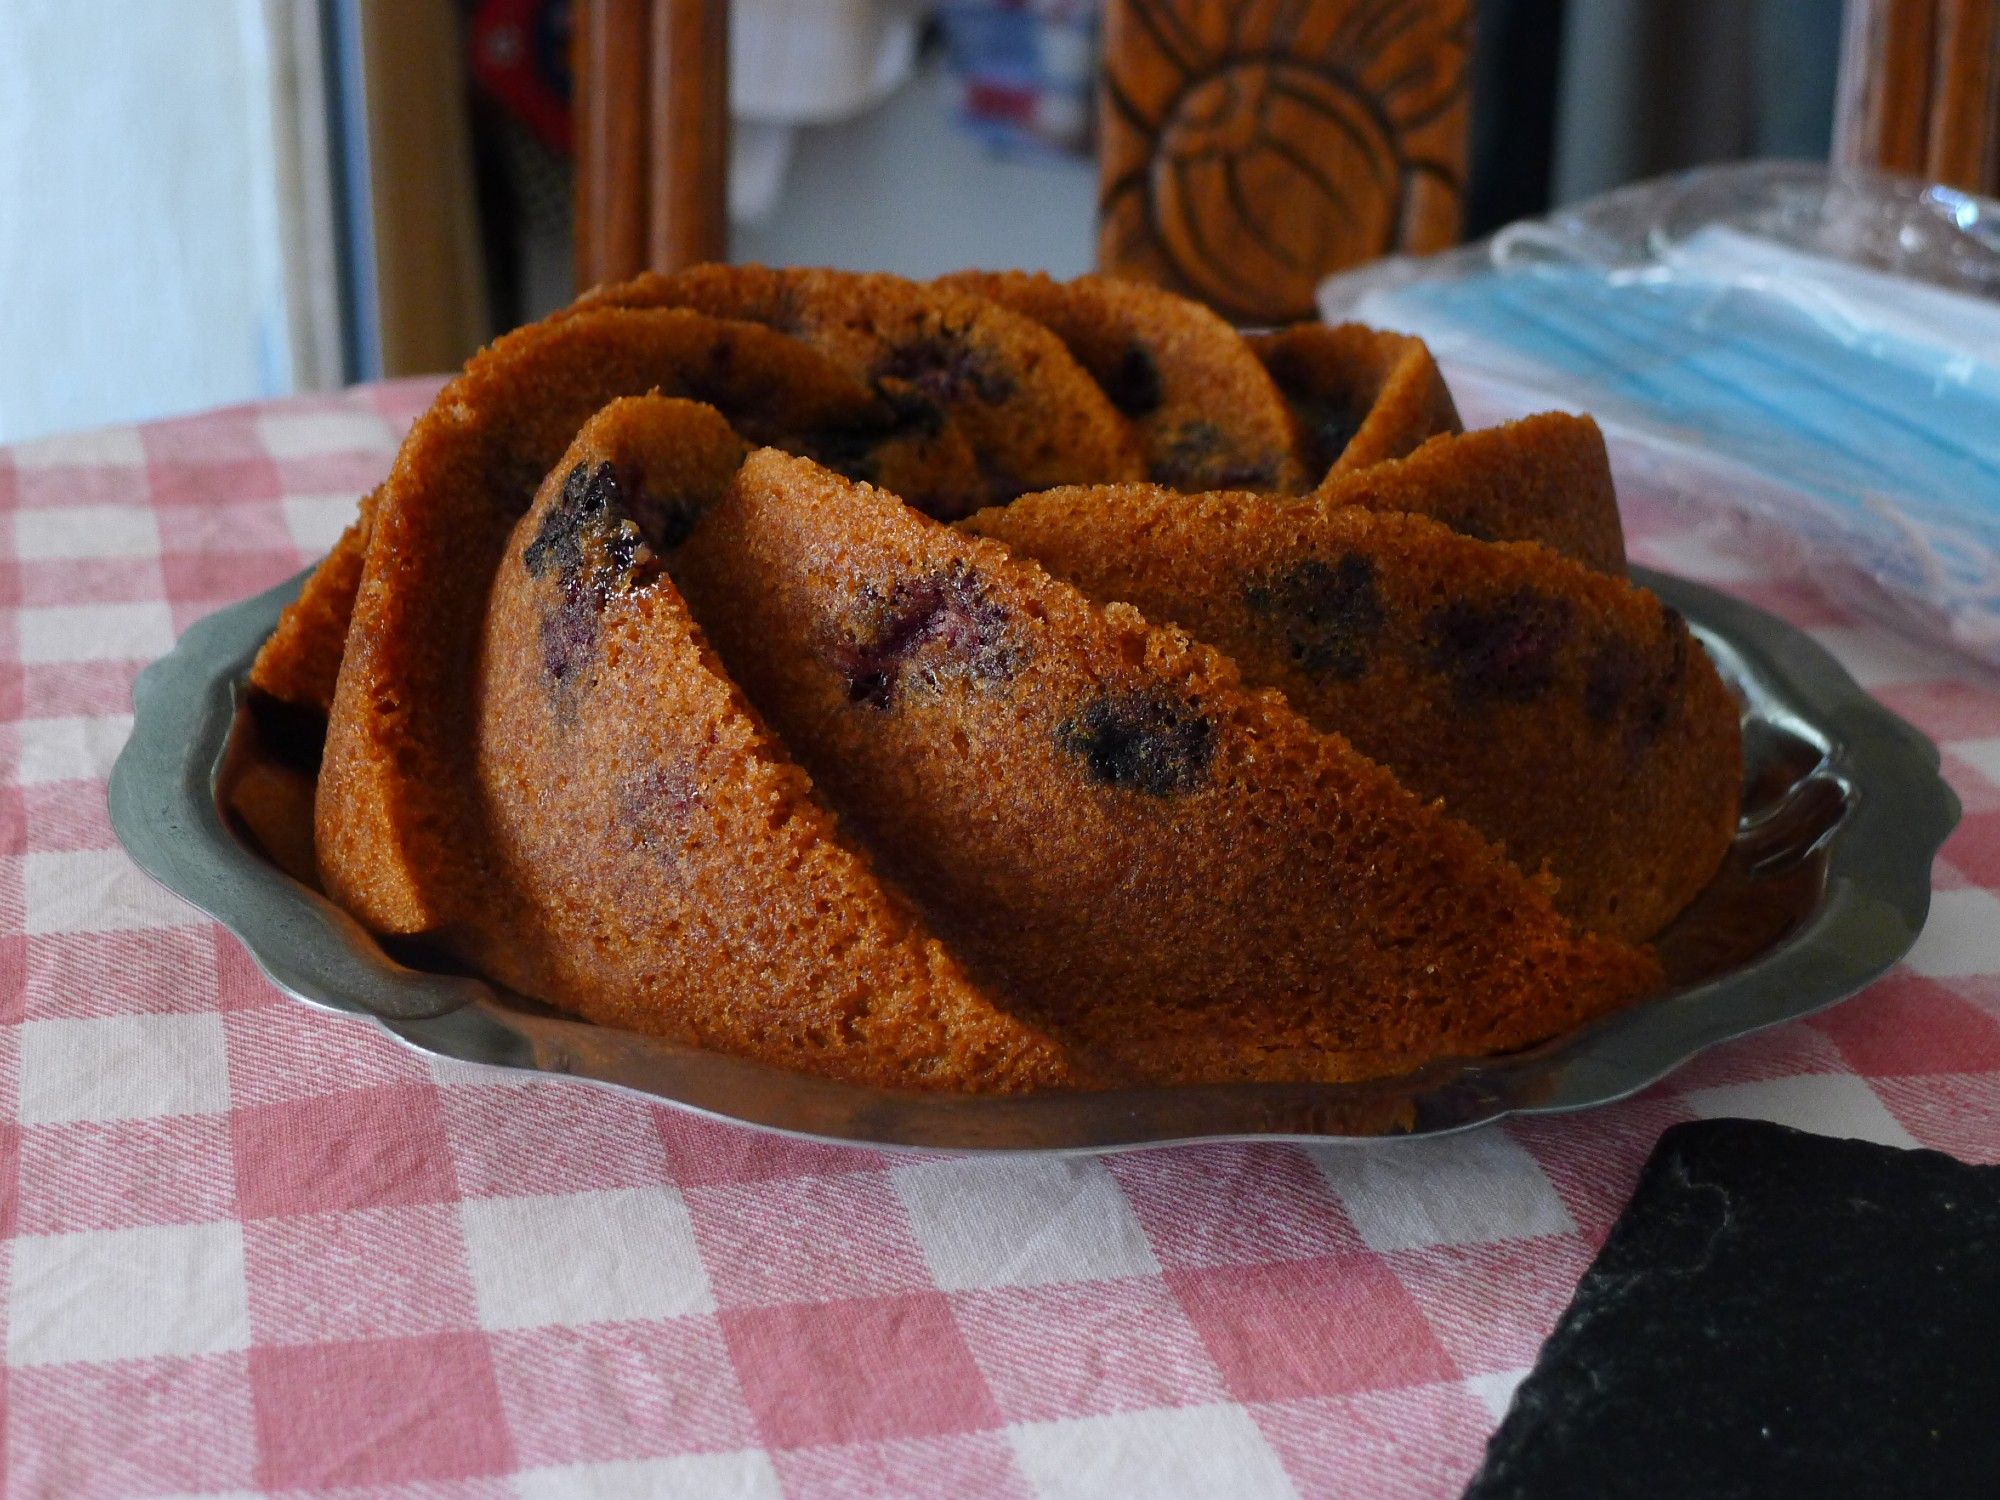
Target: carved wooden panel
x,y
609,55
1250,147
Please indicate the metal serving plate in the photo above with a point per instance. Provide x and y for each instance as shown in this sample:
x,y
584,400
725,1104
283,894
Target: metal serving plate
x,y
1828,884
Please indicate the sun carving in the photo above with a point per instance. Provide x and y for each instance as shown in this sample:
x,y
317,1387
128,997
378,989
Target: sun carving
x,y
1250,149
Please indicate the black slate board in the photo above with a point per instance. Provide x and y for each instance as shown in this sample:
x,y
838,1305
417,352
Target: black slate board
x,y
1775,1313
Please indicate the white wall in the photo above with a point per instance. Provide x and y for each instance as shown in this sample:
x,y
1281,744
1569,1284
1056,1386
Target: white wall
x,y
900,188
140,272
904,189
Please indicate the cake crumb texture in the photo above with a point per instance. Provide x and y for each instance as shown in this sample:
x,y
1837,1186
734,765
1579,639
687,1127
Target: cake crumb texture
x,y
1003,684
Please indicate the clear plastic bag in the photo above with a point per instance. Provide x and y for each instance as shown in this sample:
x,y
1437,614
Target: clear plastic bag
x,y
1816,351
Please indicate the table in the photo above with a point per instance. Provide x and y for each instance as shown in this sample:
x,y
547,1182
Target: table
x,y
249,1247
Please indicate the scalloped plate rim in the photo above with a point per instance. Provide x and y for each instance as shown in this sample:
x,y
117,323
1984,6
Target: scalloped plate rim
x,y
164,811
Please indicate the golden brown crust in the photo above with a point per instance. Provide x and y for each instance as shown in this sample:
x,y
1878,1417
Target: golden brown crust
x,y
945,359
1048,843
1095,812
300,661
392,813
659,862
1544,479
1208,414
1566,715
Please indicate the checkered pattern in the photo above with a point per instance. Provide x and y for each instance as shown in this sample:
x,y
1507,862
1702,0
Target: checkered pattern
x,y
249,1247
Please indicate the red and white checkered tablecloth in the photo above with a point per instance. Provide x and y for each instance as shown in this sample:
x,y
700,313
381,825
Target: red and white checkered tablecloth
x,y
249,1247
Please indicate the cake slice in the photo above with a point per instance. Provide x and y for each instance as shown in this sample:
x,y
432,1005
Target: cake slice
x,y
1358,395
1545,478
1208,414
1566,715
658,862
1183,878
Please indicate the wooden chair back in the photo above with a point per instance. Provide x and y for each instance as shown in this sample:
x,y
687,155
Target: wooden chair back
x,y
1247,148
1920,90
652,135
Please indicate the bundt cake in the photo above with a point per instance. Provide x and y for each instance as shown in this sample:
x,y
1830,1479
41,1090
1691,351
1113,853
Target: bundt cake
x,y
1004,684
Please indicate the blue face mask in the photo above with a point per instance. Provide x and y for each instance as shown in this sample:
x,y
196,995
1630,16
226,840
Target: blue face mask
x,y
1870,403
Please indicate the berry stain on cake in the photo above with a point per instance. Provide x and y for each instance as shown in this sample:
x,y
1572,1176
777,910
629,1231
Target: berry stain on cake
x,y
589,494
1330,613
655,805
1609,682
924,631
946,368
1133,383
1505,650
590,543
1620,683
1147,741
